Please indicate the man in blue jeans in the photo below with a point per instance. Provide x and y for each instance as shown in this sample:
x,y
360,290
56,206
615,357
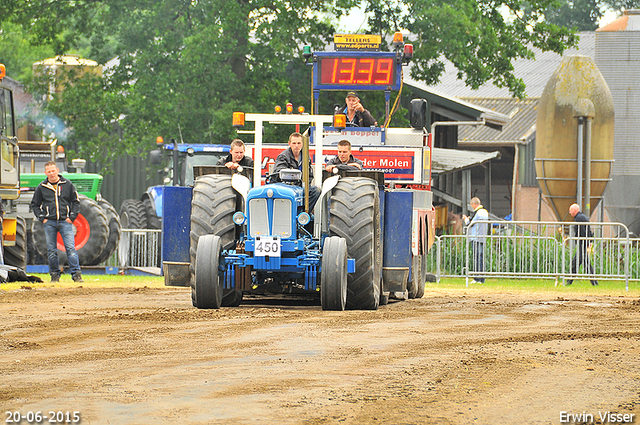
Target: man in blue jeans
x,y
55,203
477,235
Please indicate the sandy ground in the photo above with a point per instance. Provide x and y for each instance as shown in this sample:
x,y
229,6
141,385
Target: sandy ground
x,y
146,356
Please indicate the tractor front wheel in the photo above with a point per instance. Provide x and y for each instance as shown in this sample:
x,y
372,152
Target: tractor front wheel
x,y
418,276
207,284
212,208
333,278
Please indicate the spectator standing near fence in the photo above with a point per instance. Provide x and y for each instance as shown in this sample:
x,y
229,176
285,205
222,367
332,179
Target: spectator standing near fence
x,y
55,203
477,233
584,234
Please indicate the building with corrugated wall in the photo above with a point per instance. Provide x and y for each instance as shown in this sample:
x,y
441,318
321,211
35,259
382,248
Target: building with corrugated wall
x,y
618,58
514,187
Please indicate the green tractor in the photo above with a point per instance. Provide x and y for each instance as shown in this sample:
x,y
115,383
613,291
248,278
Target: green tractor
x,y
97,227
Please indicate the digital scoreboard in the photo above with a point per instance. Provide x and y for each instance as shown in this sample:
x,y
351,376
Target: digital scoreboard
x,y
356,71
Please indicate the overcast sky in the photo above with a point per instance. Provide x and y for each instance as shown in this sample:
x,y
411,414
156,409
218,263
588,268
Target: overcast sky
x,y
356,21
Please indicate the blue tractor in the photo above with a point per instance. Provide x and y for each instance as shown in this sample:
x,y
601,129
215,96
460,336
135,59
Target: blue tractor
x,y
146,212
243,238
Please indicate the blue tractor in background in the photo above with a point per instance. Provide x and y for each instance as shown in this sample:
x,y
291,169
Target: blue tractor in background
x,y
146,212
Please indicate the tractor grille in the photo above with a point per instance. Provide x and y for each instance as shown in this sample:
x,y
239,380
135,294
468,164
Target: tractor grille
x,y
263,211
87,185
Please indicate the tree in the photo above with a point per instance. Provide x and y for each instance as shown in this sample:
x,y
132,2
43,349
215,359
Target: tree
x,y
480,37
584,15
17,53
183,66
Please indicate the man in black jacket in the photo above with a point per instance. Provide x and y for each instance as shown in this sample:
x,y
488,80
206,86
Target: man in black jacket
x,y
236,156
583,233
357,116
55,203
344,160
292,158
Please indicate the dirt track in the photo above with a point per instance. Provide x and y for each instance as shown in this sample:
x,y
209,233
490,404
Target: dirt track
x,y
145,356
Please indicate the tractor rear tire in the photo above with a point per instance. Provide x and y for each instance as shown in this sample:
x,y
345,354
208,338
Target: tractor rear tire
x,y
212,208
132,214
333,278
207,283
115,229
153,221
17,255
355,215
91,234
33,256
418,276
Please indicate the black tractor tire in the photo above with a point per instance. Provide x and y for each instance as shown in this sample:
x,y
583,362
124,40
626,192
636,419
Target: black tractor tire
x,y
333,278
115,229
17,255
418,276
207,282
212,207
355,215
153,221
33,256
92,222
133,214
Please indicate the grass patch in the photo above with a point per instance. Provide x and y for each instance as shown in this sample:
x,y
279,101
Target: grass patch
x,y
582,287
90,281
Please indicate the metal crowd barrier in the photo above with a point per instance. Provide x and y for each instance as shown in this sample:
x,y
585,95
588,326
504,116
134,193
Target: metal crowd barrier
x,y
539,250
522,249
139,248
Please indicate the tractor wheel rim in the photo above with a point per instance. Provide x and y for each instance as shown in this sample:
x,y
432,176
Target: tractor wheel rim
x,y
82,231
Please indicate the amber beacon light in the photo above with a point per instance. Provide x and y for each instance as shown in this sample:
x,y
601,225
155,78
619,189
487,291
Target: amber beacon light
x,y
238,119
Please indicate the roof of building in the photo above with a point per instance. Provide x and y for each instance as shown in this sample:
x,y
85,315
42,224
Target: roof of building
x,y
520,129
534,73
522,114
448,160
457,109
71,60
629,21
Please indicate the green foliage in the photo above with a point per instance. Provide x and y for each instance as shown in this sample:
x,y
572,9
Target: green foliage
x,y
582,15
17,53
183,66
481,38
86,106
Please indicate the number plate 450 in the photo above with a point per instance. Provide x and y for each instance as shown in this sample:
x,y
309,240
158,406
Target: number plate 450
x,y
267,246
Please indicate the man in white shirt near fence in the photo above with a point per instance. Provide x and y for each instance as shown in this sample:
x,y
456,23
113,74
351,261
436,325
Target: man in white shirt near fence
x,y
477,235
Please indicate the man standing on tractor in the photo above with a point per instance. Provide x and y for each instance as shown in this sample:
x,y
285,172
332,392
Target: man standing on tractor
x,y
292,158
344,160
357,116
236,157
55,203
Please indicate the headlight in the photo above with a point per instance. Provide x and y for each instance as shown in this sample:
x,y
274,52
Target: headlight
x,y
304,218
239,218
